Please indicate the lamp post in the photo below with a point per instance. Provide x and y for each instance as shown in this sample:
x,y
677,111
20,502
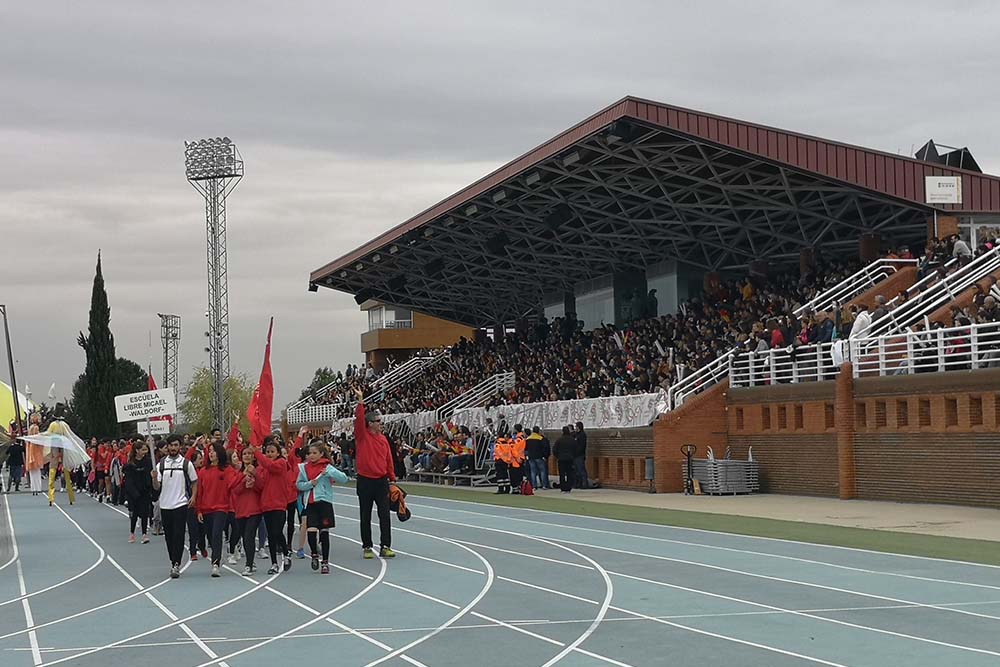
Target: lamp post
x,y
13,378
214,167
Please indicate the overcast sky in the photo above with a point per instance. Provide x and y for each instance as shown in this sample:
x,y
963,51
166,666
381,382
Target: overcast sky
x,y
353,116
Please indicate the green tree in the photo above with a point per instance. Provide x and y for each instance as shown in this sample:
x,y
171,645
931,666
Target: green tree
x,y
322,377
128,377
196,408
94,405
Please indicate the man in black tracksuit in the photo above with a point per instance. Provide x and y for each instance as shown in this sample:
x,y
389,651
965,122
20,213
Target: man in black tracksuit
x,y
564,450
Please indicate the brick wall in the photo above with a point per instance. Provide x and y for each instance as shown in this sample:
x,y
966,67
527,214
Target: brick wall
x,y
700,421
616,457
902,279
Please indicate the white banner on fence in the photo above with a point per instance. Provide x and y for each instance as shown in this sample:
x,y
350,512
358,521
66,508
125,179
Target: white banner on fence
x,y
608,412
145,404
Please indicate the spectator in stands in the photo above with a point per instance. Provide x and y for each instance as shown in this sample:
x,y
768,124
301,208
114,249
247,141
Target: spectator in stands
x,y
960,249
862,321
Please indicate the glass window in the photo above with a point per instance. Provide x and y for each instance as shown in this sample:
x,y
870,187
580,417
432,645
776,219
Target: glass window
x,y
375,316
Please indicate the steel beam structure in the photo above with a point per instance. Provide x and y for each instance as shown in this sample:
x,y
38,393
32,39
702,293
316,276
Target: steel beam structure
x,y
170,337
632,203
214,167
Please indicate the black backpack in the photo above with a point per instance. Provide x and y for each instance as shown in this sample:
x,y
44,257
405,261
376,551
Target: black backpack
x,y
161,468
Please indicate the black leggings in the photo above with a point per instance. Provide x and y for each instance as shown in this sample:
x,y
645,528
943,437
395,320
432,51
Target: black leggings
x,y
374,491
247,527
215,522
132,517
291,511
274,520
196,532
234,532
173,531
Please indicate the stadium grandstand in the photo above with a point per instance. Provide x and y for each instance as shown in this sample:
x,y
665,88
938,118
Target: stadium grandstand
x,y
668,277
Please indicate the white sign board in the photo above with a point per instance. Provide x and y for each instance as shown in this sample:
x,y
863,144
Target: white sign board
x,y
145,404
943,189
158,427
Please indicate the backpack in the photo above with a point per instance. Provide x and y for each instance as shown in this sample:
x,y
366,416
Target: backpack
x,y
161,468
527,489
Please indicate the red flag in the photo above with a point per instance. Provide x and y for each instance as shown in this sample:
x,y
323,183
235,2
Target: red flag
x,y
151,385
259,410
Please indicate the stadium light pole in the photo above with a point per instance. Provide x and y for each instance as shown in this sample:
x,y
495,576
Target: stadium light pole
x,y
170,336
214,167
13,379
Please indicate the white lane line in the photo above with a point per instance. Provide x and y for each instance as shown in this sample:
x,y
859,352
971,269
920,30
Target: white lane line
x,y
149,596
29,620
593,622
774,578
820,618
10,521
686,528
327,614
745,551
100,558
347,630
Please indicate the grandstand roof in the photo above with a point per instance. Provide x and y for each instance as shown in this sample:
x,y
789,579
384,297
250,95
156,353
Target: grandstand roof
x,y
631,186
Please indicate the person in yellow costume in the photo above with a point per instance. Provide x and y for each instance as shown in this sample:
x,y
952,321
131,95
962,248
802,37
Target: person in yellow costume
x,y
61,447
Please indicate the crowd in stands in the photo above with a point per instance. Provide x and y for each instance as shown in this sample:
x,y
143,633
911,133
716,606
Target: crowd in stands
x,y
566,359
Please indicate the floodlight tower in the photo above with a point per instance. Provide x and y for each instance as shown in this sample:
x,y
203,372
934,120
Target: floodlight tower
x,y
214,167
170,336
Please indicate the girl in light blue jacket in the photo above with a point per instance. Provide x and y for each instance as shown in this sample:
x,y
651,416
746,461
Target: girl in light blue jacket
x,y
315,485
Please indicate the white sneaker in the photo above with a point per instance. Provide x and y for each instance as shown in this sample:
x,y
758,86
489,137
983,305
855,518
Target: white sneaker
x,y
215,571
232,559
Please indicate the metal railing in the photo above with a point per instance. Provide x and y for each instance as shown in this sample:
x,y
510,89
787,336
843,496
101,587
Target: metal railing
x,y
787,365
703,378
854,284
936,295
943,349
478,395
405,372
311,414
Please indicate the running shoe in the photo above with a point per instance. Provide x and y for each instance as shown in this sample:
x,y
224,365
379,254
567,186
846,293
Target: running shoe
x,y
288,562
386,552
315,561
368,554
215,571
274,569
247,571
325,569
194,556
300,554
232,559
175,572
145,538
204,553
131,538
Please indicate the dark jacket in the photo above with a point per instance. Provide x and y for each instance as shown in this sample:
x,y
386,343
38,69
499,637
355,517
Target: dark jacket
x,y
564,448
534,445
581,444
546,448
15,454
138,487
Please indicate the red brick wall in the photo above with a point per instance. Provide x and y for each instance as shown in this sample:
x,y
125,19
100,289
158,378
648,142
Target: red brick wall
x,y
700,421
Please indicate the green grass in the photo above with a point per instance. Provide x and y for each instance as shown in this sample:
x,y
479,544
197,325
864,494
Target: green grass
x,y
974,551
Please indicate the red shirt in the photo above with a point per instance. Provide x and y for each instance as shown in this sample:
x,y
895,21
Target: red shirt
x,y
292,475
274,495
245,502
213,488
373,457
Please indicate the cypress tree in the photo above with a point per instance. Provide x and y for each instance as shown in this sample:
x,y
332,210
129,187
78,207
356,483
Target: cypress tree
x,y
97,396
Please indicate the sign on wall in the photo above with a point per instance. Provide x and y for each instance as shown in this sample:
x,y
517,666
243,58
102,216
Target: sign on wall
x,y
943,189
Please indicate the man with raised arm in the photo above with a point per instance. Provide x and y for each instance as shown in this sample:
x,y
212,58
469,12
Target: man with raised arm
x,y
373,461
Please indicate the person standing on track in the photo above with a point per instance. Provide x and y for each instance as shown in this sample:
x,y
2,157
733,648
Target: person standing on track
x,y
246,491
172,478
137,488
273,471
375,471
214,483
315,482
564,450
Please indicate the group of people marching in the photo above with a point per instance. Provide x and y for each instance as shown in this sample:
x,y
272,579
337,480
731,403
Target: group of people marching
x,y
209,489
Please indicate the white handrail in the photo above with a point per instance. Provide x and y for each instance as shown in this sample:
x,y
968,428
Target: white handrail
x,y
853,285
478,395
786,365
942,349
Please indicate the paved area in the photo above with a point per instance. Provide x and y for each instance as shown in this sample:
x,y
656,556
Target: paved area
x,y
943,520
489,584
